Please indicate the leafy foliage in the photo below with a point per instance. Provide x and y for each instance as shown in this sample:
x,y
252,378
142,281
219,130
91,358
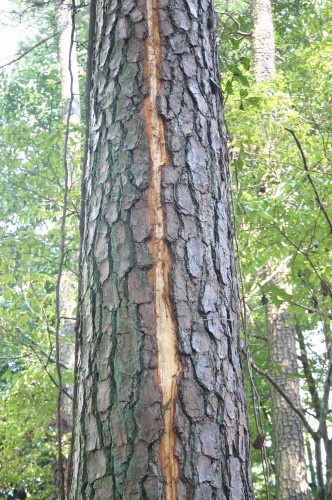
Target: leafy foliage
x,y
31,193
278,216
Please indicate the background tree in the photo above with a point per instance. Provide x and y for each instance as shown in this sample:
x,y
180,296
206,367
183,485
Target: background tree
x,y
291,471
288,438
274,198
67,281
262,40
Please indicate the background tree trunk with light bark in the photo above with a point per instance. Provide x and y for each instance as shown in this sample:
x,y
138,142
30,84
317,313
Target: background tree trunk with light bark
x,y
71,116
290,465
262,40
68,62
160,399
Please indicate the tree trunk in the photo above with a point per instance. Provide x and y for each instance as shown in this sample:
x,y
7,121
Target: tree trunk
x,y
321,407
291,480
262,40
326,407
161,411
68,65
70,102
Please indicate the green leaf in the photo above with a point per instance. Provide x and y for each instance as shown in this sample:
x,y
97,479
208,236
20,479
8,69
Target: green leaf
x,y
254,101
229,87
245,61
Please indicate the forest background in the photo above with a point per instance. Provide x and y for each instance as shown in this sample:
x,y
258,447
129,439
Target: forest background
x,y
279,144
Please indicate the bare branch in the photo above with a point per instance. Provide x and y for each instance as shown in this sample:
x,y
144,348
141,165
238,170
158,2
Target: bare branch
x,y
20,56
306,168
238,32
312,310
308,373
287,399
305,254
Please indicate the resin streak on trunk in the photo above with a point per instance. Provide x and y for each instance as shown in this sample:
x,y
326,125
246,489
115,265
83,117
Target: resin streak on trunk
x,y
168,366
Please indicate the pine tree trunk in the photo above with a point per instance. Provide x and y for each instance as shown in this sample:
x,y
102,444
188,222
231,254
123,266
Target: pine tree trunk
x,y
161,411
291,480
262,40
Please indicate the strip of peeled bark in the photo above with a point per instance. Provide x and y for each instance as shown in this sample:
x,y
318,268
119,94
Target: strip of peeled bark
x,y
291,474
168,364
262,40
160,399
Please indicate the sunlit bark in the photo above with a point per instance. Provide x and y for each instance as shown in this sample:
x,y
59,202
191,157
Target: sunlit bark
x,y
262,40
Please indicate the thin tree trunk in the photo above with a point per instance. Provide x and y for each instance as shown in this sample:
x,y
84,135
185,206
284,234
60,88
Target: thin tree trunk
x,y
291,480
160,399
262,40
70,104
320,406
68,67
326,407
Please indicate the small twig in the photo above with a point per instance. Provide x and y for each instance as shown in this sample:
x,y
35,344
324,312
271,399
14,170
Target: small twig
x,y
312,310
14,358
50,200
20,56
19,342
238,32
305,254
298,412
63,390
306,168
308,373
45,316
278,56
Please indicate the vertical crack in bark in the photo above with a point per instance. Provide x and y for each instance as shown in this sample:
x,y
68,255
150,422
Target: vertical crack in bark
x,y
168,363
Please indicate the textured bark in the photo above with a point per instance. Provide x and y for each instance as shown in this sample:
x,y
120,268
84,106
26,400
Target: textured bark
x,y
262,40
160,399
291,480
